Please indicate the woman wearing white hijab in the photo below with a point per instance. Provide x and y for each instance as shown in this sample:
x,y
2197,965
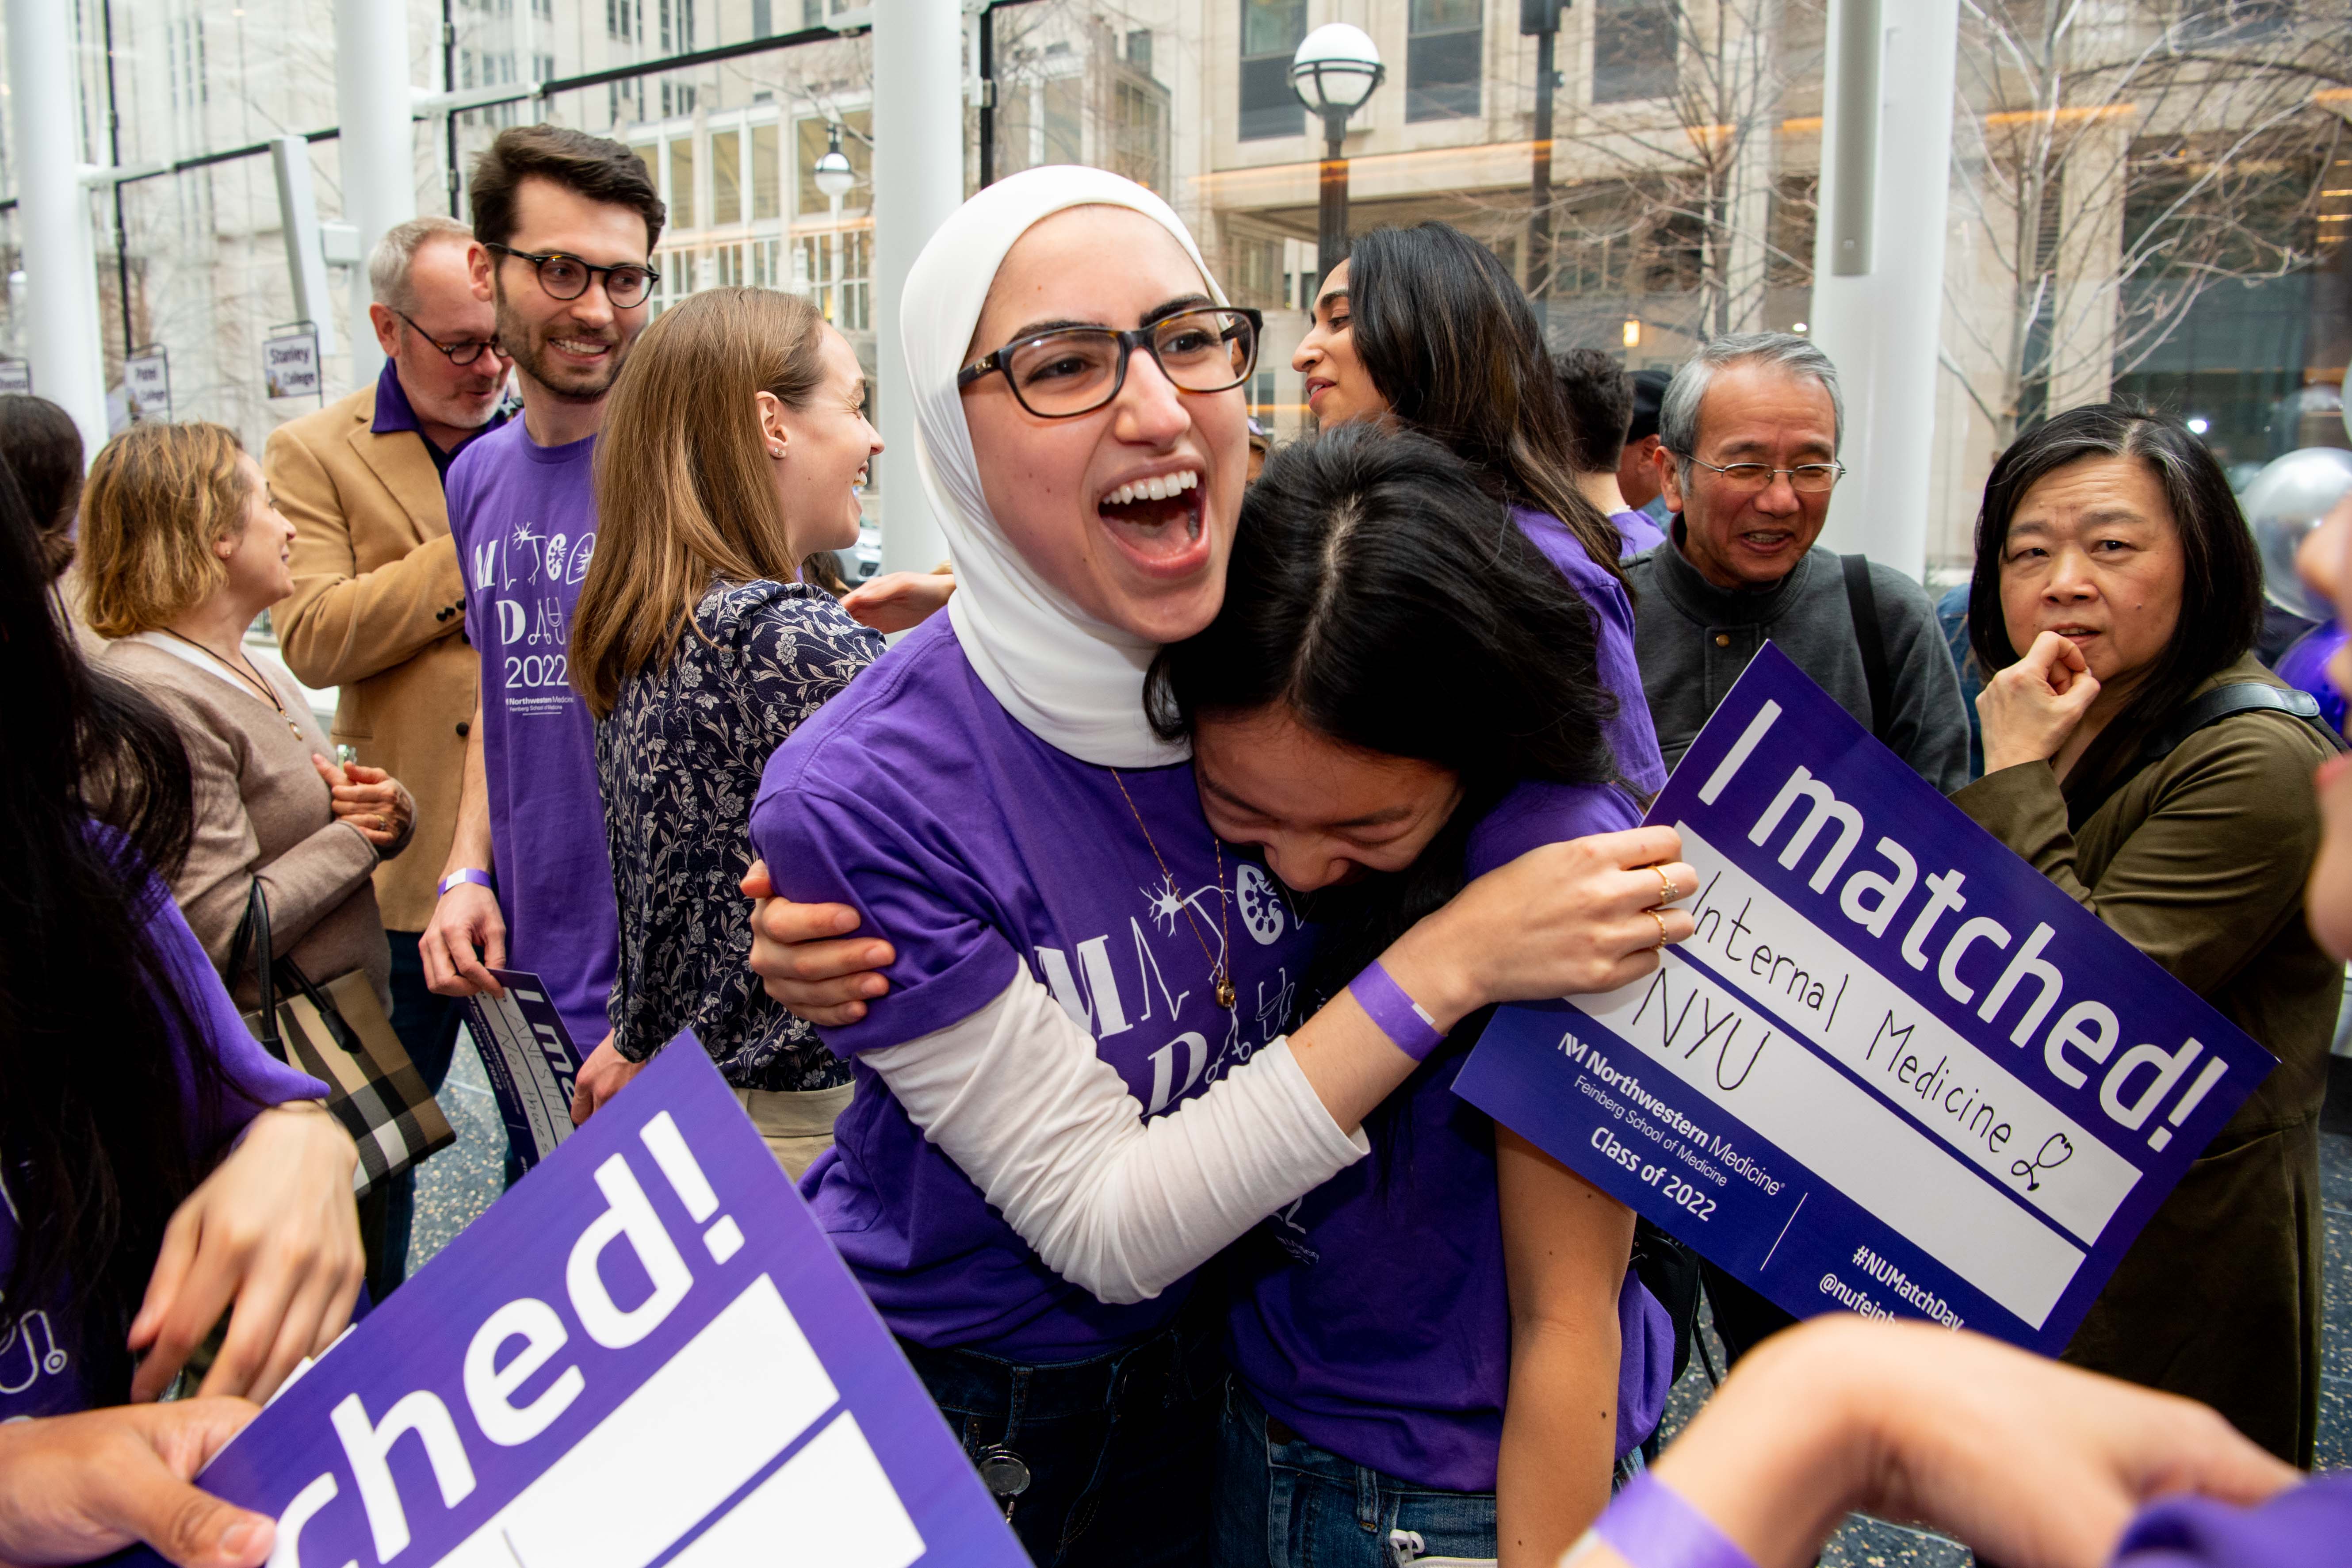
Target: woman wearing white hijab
x,y
990,797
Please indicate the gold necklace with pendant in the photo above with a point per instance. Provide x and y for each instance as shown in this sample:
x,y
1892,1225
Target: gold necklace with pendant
x,y
1220,975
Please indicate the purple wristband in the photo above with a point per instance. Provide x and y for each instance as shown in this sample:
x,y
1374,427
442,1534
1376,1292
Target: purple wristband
x,y
1650,1525
466,874
1401,1018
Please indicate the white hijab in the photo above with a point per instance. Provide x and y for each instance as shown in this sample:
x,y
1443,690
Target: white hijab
x,y
1072,681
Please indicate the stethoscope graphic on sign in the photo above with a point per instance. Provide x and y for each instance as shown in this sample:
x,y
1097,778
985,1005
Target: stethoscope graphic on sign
x,y
51,1361
2031,1169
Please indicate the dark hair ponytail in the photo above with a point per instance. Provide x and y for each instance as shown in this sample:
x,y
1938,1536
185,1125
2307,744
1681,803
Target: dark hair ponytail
x,y
1444,332
102,1063
1393,606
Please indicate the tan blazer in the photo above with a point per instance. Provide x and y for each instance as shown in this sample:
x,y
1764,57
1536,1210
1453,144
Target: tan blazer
x,y
378,607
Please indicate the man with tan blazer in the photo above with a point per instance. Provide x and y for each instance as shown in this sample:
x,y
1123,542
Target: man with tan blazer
x,y
378,606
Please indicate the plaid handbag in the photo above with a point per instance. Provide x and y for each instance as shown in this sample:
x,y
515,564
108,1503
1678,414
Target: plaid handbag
x,y
338,1033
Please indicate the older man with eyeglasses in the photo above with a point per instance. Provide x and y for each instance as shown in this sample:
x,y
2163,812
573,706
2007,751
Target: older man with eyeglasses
x,y
379,602
1748,456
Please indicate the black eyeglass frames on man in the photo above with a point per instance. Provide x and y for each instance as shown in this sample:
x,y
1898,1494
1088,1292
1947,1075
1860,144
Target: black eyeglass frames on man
x,y
466,350
567,276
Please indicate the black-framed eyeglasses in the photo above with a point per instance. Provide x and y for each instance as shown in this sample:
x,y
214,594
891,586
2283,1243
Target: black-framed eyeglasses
x,y
567,276
1805,479
463,353
1072,371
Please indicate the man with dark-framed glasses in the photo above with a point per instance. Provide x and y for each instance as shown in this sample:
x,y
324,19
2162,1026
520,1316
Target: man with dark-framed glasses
x,y
378,604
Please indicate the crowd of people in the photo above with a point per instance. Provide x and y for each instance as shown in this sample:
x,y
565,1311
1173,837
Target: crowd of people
x,y
1149,1158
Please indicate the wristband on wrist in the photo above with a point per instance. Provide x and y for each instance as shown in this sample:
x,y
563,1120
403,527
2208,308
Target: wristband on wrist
x,y
466,874
1650,1525
1409,1028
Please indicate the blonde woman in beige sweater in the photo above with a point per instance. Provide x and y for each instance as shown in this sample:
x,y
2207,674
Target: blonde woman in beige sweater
x,y
182,549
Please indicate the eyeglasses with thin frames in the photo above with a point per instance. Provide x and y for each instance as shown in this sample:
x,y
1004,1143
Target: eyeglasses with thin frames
x,y
1805,479
567,276
463,353
1071,370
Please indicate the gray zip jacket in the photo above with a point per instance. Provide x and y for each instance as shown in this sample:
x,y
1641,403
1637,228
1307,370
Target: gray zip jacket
x,y
1693,638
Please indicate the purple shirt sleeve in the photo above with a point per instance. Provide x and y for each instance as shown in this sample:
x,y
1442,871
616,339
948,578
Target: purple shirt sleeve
x,y
2310,1523
257,1078
913,890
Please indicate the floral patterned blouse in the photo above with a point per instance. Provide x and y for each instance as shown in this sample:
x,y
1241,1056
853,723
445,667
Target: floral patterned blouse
x,y
679,759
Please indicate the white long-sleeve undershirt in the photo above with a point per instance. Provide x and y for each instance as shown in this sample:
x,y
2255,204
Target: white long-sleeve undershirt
x,y
1118,1204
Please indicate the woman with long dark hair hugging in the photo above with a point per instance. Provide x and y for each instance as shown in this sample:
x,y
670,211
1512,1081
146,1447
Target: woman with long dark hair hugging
x,y
156,1167
1398,695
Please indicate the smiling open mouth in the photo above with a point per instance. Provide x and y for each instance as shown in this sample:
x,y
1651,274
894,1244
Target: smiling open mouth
x,y
1158,520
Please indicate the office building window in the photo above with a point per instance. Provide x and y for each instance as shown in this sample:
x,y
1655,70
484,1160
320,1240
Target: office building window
x,y
1634,49
621,18
763,19
726,178
680,195
1443,61
1271,30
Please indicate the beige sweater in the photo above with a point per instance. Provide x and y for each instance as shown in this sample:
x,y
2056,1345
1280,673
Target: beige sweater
x,y
263,811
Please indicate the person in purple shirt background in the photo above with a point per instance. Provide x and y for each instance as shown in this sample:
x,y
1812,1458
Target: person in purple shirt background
x,y
1424,326
1598,396
1399,695
1082,1088
564,226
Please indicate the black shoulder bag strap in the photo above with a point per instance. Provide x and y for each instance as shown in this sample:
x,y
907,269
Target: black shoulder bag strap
x,y
2221,702
1862,601
253,941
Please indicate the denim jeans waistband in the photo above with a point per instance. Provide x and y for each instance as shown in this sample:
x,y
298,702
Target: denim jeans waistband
x,y
1179,1362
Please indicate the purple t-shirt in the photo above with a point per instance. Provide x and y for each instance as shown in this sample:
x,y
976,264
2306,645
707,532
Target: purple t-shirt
x,y
1631,735
979,851
43,1368
1371,1315
525,521
2310,1523
1638,532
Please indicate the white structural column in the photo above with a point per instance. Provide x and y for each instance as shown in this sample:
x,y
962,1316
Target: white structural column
x,y
60,262
918,182
377,146
1881,324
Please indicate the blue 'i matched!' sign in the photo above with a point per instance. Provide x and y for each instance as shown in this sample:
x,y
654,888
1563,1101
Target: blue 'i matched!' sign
x,y
1894,1070
645,1355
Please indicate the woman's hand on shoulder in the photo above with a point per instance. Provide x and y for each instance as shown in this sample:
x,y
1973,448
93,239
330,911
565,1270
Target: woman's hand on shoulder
x,y
2030,708
1564,920
805,957
274,1231
76,1488
899,601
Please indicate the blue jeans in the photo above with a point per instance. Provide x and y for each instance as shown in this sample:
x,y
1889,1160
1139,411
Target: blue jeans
x,y
1282,1502
1119,1447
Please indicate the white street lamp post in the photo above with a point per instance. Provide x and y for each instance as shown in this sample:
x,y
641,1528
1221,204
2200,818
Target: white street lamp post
x,y
834,179
1334,71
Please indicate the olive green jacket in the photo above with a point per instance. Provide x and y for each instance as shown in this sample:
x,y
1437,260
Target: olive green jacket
x,y
2199,862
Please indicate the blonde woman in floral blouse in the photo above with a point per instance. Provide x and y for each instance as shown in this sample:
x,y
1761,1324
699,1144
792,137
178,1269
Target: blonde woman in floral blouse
x,y
728,470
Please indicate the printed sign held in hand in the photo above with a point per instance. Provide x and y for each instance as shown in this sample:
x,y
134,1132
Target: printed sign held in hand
x,y
1894,1070
530,1058
645,1355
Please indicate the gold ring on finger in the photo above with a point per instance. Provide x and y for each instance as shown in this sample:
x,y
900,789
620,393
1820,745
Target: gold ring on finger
x,y
1660,946
1673,892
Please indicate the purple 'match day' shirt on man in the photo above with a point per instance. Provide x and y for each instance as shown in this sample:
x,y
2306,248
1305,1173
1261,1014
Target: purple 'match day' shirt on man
x,y
980,851
45,1369
525,521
